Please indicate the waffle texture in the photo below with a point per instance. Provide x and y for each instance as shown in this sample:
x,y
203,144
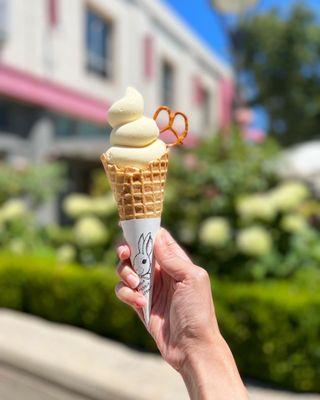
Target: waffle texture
x,y
139,193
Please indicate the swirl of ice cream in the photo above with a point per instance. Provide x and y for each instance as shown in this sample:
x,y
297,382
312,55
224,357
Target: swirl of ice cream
x,y
134,137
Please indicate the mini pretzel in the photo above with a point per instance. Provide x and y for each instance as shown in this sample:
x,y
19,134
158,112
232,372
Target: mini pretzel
x,y
172,116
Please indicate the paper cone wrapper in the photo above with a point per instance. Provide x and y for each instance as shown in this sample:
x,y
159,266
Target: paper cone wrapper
x,y
140,235
139,194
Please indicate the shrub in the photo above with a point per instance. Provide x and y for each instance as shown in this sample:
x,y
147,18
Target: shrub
x,y
69,294
272,327
273,330
19,179
23,188
226,205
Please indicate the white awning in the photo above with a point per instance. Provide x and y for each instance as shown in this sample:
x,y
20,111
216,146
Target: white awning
x,y
301,161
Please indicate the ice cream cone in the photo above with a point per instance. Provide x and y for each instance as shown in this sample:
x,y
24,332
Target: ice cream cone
x,y
136,165
139,194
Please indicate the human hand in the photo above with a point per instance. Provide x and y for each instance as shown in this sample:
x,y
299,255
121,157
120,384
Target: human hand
x,y
182,319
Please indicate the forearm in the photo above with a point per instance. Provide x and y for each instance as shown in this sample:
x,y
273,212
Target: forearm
x,y
211,373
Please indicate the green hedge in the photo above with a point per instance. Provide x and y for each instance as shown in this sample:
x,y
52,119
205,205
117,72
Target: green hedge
x,y
273,328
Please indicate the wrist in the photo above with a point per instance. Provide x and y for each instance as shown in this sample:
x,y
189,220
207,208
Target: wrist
x,y
209,372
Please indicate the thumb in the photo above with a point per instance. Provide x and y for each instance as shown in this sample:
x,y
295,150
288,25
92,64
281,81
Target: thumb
x,y
171,257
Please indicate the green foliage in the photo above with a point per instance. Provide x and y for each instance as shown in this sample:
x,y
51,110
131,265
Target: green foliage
x,y
279,57
37,183
227,207
69,294
23,188
273,328
94,229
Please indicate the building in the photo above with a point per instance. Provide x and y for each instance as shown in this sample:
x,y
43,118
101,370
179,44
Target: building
x,y
62,62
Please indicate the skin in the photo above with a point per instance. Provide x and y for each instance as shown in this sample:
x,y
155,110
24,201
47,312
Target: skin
x,y
183,321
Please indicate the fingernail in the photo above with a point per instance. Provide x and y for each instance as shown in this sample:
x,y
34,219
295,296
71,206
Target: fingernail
x,y
133,280
120,251
141,301
166,238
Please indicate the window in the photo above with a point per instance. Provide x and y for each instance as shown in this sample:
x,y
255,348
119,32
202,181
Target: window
x,y
18,118
98,44
167,84
68,127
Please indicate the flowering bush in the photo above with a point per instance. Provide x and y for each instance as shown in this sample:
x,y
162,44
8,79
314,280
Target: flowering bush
x,y
90,232
289,195
258,206
20,179
77,205
12,209
254,241
215,231
23,188
95,230
294,223
234,215
66,254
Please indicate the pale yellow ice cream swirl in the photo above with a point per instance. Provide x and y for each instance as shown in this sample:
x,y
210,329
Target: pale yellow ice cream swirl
x,y
134,137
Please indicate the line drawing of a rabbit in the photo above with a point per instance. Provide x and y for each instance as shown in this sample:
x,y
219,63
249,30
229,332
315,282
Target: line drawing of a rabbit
x,y
143,259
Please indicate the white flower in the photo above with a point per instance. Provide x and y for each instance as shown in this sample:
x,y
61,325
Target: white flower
x,y
17,246
90,231
77,205
103,206
66,253
288,196
294,223
257,206
215,231
13,209
254,241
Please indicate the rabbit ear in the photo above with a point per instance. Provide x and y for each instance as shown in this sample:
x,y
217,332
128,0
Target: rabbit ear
x,y
148,244
141,243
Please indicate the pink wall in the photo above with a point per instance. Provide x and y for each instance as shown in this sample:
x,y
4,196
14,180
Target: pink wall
x,y
148,56
52,6
26,87
226,93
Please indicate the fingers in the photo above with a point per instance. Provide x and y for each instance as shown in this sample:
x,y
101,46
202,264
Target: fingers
x,y
171,257
175,247
125,290
127,274
130,296
123,251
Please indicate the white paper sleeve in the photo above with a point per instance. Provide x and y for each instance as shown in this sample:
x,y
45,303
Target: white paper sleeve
x,y
140,235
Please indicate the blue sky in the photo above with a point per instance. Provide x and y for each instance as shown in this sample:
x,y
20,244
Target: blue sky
x,y
201,18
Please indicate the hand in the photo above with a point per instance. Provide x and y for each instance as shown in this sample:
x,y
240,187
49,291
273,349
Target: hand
x,y
182,321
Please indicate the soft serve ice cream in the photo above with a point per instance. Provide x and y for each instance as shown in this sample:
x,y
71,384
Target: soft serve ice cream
x,y
136,165
134,137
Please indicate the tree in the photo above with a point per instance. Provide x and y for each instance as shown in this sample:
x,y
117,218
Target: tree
x,y
279,59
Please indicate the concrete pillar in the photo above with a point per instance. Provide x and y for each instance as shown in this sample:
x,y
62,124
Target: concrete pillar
x,y
41,143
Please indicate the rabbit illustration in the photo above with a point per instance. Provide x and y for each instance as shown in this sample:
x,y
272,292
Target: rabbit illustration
x,y
143,260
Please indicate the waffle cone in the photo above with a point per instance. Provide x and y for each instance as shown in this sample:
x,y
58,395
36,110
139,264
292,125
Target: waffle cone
x,y
138,192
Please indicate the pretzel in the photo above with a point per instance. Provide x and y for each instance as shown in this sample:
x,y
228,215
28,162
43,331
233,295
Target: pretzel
x,y
172,116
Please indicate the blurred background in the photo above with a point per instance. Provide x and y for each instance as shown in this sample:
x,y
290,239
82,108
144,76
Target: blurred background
x,y
242,194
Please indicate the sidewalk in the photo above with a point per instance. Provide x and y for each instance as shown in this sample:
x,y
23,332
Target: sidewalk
x,y
40,360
